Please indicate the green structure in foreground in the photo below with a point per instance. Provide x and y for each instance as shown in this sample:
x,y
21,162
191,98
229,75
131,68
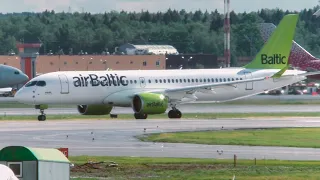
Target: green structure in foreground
x,y
36,163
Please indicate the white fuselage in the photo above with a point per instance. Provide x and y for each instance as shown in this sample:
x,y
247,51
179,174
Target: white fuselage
x,y
75,87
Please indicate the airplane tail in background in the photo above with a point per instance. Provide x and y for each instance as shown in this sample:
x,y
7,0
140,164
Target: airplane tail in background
x,y
299,57
275,52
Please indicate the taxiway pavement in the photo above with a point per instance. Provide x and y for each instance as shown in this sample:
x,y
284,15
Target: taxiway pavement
x,y
116,137
186,108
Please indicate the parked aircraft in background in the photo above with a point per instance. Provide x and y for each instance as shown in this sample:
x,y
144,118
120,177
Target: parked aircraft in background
x,y
153,91
299,57
11,76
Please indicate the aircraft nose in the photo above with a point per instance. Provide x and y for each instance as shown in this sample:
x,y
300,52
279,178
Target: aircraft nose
x,y
21,96
24,78
17,95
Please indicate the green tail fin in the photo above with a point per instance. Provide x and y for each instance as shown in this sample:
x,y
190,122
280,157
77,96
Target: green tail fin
x,y
275,53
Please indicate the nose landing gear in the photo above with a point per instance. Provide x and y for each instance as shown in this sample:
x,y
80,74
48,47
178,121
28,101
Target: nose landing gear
x,y
41,117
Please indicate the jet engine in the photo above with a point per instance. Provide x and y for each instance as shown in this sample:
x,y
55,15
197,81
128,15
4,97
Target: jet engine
x,y
149,103
94,109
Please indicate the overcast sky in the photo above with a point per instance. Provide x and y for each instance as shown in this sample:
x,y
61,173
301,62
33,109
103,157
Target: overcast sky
x,y
98,6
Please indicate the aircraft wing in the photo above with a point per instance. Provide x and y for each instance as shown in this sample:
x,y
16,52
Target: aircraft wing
x,y
209,86
4,90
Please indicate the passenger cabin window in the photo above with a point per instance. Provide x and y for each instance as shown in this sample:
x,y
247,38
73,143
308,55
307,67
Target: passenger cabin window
x,y
32,83
41,83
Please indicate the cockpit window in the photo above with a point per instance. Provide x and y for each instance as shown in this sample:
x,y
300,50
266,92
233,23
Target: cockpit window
x,y
16,72
41,83
32,83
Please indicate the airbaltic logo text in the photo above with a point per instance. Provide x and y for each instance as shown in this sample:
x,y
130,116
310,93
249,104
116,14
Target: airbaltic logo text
x,y
154,104
94,80
274,59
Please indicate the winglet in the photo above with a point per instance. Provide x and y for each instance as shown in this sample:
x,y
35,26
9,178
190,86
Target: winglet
x,y
279,73
275,53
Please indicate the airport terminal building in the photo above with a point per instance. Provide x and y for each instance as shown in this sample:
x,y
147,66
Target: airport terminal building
x,y
52,63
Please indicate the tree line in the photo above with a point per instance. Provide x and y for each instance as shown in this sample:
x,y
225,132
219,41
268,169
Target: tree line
x,y
189,32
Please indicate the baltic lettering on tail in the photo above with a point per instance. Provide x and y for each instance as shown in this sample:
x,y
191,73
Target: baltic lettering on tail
x,y
274,59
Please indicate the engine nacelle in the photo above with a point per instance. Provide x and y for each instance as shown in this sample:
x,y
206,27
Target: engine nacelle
x,y
94,109
150,103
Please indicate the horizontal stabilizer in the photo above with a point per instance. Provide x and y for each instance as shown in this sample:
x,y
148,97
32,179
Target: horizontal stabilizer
x,y
310,73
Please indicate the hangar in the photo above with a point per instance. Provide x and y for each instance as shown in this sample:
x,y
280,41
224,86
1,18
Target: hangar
x,y
131,49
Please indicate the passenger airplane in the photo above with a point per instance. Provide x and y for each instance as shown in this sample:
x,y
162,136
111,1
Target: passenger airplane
x,y
299,57
153,91
11,76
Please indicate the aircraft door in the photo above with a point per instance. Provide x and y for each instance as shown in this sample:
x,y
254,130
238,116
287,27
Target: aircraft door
x,y
64,84
142,82
249,85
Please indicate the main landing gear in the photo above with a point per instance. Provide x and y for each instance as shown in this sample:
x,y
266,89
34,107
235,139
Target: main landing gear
x,y
174,113
140,116
41,117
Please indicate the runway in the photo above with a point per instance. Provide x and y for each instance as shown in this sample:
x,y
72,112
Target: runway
x,y
116,137
186,108
198,107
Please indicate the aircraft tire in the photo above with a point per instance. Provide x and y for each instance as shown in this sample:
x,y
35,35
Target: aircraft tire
x,y
140,116
41,118
174,114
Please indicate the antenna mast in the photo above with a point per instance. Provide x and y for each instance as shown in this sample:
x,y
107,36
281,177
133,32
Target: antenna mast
x,y
227,32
